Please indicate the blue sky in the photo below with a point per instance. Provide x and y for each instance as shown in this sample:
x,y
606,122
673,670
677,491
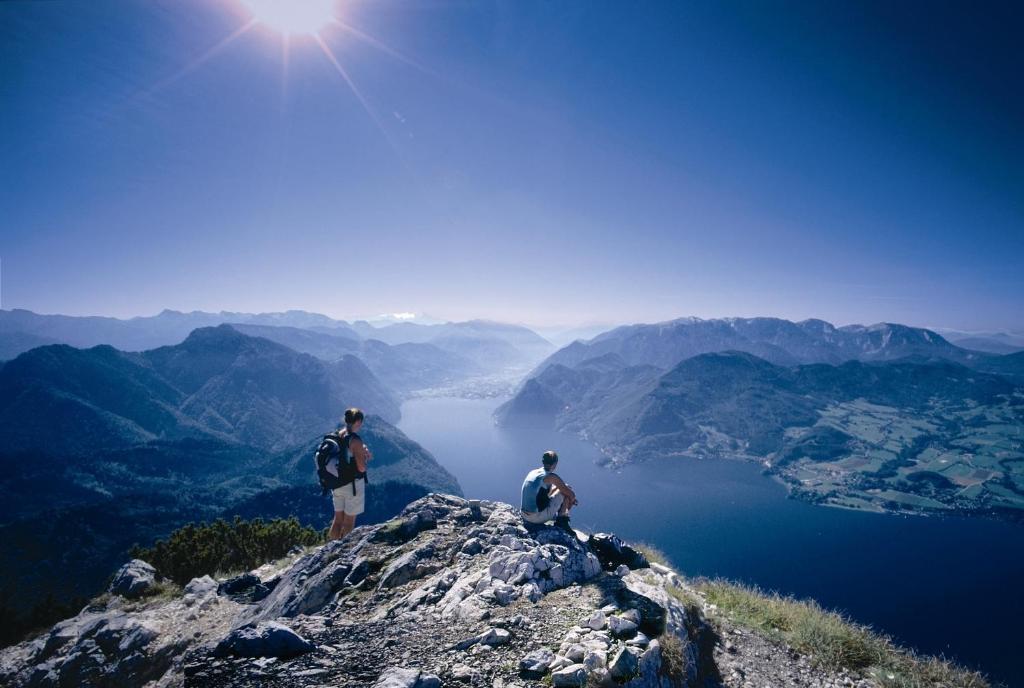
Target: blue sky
x,y
539,162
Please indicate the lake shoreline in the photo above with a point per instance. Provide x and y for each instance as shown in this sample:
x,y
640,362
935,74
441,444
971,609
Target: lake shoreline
x,y
726,519
797,492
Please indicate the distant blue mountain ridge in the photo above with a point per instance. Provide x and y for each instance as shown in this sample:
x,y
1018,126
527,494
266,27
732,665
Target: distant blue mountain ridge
x,y
881,417
779,341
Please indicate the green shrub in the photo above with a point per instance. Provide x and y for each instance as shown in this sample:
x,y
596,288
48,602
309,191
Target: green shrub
x,y
201,549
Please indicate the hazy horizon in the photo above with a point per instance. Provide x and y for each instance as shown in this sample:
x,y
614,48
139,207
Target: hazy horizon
x,y
548,164
383,319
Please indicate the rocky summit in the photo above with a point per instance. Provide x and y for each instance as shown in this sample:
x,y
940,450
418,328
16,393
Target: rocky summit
x,y
452,592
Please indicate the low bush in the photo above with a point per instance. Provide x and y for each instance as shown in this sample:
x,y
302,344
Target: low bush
x,y
204,549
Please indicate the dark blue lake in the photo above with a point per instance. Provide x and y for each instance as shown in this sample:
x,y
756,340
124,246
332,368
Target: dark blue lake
x,y
949,586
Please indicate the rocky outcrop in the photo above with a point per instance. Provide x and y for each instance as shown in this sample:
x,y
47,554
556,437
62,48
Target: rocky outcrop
x,y
452,592
122,642
263,639
133,580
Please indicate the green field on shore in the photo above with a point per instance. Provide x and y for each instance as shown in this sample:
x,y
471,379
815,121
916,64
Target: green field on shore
x,y
965,457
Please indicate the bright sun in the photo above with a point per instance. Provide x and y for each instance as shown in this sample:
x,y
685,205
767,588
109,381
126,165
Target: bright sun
x,y
292,16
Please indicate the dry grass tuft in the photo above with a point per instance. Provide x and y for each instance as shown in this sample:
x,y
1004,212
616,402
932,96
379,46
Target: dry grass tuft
x,y
653,554
832,640
673,659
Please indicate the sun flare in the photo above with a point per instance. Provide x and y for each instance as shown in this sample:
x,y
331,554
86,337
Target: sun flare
x,y
292,16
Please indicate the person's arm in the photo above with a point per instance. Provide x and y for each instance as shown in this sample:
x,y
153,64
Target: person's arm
x,y
553,479
361,452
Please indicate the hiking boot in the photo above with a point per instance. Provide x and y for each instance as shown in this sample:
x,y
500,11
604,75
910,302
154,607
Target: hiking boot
x,y
563,523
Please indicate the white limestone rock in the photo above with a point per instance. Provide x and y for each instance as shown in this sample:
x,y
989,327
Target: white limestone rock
x,y
572,676
133,580
596,621
538,661
622,627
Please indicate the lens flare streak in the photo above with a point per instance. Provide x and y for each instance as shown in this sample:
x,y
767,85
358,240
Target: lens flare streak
x,y
285,55
383,47
202,59
355,90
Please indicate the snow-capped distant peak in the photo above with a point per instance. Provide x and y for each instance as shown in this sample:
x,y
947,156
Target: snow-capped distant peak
x,y
403,317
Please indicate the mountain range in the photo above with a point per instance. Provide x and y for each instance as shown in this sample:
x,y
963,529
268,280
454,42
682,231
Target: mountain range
x,y
125,444
779,341
883,416
218,383
103,448
148,332
404,367
407,356
640,412
486,342
992,342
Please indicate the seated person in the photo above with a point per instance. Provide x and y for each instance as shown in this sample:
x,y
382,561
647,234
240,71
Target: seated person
x,y
546,496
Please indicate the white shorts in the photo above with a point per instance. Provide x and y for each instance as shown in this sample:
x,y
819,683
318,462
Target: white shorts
x,y
549,513
344,500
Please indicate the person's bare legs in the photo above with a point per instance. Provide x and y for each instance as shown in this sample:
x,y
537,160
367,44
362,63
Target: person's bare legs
x,y
337,526
563,510
348,522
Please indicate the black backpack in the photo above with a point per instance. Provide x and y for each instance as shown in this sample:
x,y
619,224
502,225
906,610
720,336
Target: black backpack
x,y
335,446
544,495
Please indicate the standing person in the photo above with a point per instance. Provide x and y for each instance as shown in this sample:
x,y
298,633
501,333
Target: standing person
x,y
346,459
546,496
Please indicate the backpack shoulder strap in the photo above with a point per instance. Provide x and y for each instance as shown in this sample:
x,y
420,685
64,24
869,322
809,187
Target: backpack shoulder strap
x,y
352,436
